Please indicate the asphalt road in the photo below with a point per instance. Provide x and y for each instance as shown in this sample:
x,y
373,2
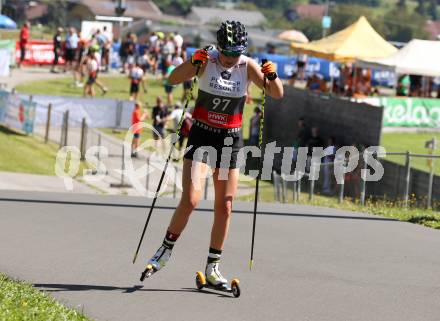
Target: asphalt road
x,y
311,263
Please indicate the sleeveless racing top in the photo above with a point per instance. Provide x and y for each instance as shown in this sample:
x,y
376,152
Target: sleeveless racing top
x,y
222,93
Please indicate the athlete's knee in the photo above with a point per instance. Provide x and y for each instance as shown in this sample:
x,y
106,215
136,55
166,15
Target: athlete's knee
x,y
225,206
190,202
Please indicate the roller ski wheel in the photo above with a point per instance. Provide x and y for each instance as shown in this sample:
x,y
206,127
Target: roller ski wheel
x,y
234,288
149,271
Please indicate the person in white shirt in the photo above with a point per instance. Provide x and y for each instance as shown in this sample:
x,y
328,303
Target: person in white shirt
x,y
178,41
136,77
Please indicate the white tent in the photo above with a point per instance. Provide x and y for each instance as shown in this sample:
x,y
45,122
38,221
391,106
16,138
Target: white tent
x,y
418,57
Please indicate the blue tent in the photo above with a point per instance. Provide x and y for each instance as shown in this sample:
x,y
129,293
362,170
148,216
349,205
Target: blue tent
x,y
7,23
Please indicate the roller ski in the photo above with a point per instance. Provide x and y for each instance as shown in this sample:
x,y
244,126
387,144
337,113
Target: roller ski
x,y
215,281
158,261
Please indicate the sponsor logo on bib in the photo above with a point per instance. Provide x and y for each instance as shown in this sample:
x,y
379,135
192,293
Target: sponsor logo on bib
x,y
217,118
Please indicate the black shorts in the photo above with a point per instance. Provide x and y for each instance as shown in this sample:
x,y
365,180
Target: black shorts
x,y
300,64
158,132
213,141
187,84
70,54
169,89
91,80
134,88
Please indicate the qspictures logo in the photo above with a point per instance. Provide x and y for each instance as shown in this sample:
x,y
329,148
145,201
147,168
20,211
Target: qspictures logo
x,y
346,160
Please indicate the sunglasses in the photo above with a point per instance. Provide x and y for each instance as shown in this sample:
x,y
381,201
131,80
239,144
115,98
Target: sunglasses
x,y
228,53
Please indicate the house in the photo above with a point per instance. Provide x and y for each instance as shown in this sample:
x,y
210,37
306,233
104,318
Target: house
x,y
432,28
302,11
205,15
80,10
88,9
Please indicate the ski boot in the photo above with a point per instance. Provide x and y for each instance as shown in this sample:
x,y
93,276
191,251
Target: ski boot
x,y
158,261
215,281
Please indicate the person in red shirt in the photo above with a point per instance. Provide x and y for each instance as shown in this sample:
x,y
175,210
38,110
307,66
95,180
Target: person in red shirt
x,y
24,40
136,118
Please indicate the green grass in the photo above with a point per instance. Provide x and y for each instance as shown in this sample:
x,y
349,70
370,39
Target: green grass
x,y
20,301
26,154
384,208
119,89
413,142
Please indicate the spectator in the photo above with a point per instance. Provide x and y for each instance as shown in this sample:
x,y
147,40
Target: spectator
x,y
254,128
127,51
136,118
81,57
132,50
168,87
178,42
159,116
316,83
315,140
403,85
302,137
363,84
301,62
106,40
24,40
57,43
167,52
329,158
415,88
145,61
175,116
136,77
154,51
72,41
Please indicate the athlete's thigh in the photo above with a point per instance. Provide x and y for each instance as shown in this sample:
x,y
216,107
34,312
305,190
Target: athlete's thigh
x,y
193,177
225,188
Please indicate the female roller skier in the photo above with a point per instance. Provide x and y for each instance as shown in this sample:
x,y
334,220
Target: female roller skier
x,y
223,80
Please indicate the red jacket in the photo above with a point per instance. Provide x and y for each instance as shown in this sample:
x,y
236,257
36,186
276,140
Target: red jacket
x,y
24,35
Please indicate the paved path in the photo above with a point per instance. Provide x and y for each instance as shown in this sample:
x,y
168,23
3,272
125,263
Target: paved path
x,y
311,263
39,183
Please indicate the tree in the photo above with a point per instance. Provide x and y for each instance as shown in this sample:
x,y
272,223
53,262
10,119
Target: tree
x,y
57,12
420,9
432,9
345,15
402,25
401,4
311,28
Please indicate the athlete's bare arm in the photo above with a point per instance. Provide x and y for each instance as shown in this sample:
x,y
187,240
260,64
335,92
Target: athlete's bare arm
x,y
274,88
184,71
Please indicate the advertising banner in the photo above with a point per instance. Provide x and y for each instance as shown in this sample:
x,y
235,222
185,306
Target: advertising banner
x,y
20,114
98,112
408,112
38,52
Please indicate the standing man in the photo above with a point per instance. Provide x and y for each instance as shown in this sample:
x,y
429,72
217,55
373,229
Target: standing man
x,y
24,40
159,117
105,48
56,49
254,128
72,41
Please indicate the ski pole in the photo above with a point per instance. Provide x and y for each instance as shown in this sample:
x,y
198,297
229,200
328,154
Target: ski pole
x,y
260,142
179,126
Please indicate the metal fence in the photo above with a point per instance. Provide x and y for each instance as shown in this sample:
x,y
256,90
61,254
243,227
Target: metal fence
x,y
355,186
